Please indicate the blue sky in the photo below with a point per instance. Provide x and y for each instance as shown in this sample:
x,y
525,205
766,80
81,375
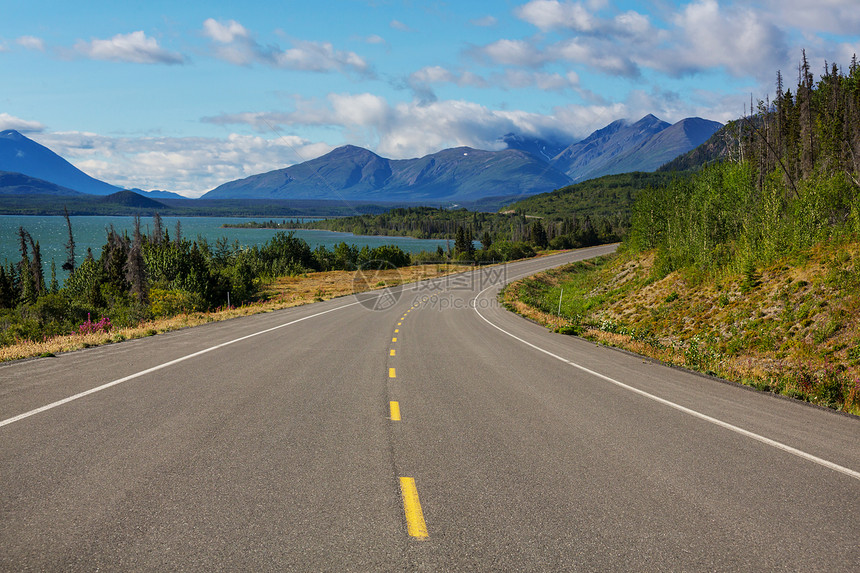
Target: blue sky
x,y
186,96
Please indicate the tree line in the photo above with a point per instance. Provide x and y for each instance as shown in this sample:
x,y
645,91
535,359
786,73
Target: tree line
x,y
561,232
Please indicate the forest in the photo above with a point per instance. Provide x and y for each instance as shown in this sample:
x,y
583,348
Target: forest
x,y
789,180
562,232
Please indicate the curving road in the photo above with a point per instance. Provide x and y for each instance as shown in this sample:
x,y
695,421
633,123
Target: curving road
x,y
416,429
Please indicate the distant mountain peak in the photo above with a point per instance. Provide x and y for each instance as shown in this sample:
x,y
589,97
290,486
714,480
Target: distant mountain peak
x,y
20,154
11,134
623,146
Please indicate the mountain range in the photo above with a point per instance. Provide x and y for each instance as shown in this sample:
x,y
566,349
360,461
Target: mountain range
x,y
527,167
354,173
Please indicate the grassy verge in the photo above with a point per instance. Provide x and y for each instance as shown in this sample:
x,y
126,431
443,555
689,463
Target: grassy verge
x,y
284,292
792,328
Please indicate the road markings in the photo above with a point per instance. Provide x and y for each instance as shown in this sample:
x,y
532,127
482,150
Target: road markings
x,y
118,381
399,324
394,339
392,352
392,373
396,330
395,411
779,445
415,524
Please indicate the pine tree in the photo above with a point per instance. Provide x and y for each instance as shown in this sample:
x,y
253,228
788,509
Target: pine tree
x,y
135,272
55,285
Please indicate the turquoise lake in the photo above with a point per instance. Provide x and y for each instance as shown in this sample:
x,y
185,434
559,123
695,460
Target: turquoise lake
x,y
90,232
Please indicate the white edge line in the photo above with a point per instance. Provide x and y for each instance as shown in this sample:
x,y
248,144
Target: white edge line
x,y
53,405
684,409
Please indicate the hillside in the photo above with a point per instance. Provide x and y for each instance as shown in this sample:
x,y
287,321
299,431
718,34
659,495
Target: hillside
x,y
18,184
711,151
132,199
610,195
795,331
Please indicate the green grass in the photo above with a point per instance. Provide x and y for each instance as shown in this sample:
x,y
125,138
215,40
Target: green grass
x,y
795,332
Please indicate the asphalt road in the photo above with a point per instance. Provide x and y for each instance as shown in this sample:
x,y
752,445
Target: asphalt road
x,y
310,440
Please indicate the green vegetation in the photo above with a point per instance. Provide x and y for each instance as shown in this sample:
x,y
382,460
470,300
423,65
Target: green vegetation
x,y
496,230
610,197
142,277
749,269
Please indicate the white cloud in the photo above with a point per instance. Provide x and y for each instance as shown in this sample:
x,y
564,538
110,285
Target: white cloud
x,y
375,39
829,16
31,43
25,126
736,38
135,47
512,53
224,32
552,14
439,75
633,24
398,25
318,57
540,80
187,165
233,43
594,54
412,129
484,22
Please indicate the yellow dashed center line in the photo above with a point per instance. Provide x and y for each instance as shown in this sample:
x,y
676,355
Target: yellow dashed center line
x,y
392,352
395,411
392,373
412,507
396,330
394,339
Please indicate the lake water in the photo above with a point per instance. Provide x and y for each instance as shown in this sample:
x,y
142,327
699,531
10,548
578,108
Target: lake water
x,y
91,232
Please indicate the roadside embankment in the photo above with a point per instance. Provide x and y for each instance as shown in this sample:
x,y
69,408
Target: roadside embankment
x,y
792,328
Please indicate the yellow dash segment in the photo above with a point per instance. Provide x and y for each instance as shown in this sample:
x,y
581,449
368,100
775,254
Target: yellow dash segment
x,y
392,352
392,373
412,507
399,323
396,330
394,339
395,411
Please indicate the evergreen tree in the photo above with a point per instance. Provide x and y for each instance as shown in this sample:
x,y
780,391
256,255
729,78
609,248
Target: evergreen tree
x,y
486,240
7,292
135,272
55,285
538,235
461,245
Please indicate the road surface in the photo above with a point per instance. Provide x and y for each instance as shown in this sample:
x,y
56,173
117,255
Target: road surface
x,y
414,429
